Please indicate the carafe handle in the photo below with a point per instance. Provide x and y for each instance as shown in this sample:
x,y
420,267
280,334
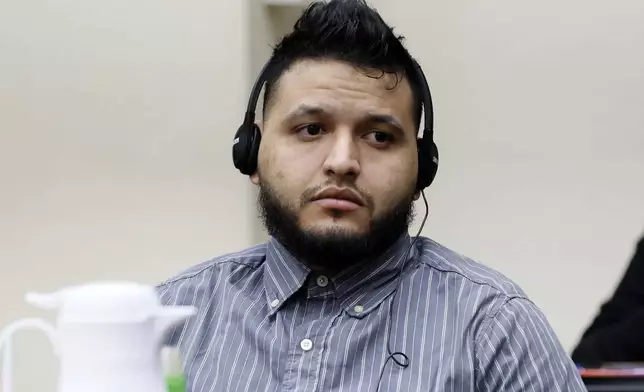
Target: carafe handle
x,y
7,349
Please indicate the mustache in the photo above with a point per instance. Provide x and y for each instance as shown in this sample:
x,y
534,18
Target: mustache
x,y
310,193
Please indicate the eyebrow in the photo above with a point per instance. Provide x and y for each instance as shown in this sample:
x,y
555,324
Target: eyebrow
x,y
385,119
304,110
310,110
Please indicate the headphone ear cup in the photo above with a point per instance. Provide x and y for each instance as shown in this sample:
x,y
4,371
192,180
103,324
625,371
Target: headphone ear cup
x,y
433,163
246,148
253,151
427,164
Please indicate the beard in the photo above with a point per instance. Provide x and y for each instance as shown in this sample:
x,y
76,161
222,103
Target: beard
x,y
332,249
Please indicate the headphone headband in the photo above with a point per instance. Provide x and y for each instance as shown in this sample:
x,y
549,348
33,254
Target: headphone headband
x,y
426,98
254,94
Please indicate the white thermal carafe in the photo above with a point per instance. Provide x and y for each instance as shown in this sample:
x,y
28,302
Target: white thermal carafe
x,y
108,336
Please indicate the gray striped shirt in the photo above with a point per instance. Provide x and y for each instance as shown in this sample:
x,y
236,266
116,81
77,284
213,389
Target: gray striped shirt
x,y
265,322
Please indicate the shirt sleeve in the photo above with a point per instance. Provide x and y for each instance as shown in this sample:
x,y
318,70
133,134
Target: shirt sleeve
x,y
518,351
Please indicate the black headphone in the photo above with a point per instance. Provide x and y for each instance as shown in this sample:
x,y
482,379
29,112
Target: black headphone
x,y
248,136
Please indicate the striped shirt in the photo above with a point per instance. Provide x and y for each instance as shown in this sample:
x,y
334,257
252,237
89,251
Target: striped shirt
x,y
266,322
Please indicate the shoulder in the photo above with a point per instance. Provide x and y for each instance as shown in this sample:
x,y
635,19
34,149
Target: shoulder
x,y
492,288
201,277
639,251
434,255
509,325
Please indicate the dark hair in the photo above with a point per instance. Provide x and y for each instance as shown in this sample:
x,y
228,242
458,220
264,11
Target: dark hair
x,y
348,31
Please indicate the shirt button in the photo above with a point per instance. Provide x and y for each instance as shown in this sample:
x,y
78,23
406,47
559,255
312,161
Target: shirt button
x,y
358,309
322,281
274,303
306,344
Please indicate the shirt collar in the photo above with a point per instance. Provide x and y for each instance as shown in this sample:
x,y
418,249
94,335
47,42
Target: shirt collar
x,y
360,288
283,276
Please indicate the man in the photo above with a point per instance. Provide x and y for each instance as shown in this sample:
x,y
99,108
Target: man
x,y
617,333
341,298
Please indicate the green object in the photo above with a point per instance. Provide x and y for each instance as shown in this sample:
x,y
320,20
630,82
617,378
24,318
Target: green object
x,y
173,369
176,383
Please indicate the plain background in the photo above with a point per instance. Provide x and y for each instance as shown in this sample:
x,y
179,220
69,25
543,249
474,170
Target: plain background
x,y
116,121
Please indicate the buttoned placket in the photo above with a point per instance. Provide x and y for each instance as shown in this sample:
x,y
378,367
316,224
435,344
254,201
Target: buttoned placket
x,y
307,344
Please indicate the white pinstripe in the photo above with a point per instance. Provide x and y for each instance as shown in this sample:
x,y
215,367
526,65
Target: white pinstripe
x,y
426,309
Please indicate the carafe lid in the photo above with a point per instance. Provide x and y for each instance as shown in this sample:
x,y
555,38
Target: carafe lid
x,y
101,302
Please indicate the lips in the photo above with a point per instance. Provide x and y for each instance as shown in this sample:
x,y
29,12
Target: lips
x,y
342,199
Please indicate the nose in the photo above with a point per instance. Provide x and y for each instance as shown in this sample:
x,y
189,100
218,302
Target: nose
x,y
343,160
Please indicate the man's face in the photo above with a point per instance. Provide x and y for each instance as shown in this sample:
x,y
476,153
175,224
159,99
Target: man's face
x,y
338,149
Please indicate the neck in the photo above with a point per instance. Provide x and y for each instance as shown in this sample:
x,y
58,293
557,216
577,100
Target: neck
x,y
332,258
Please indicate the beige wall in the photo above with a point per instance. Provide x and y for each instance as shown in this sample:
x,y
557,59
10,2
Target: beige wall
x,y
116,120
